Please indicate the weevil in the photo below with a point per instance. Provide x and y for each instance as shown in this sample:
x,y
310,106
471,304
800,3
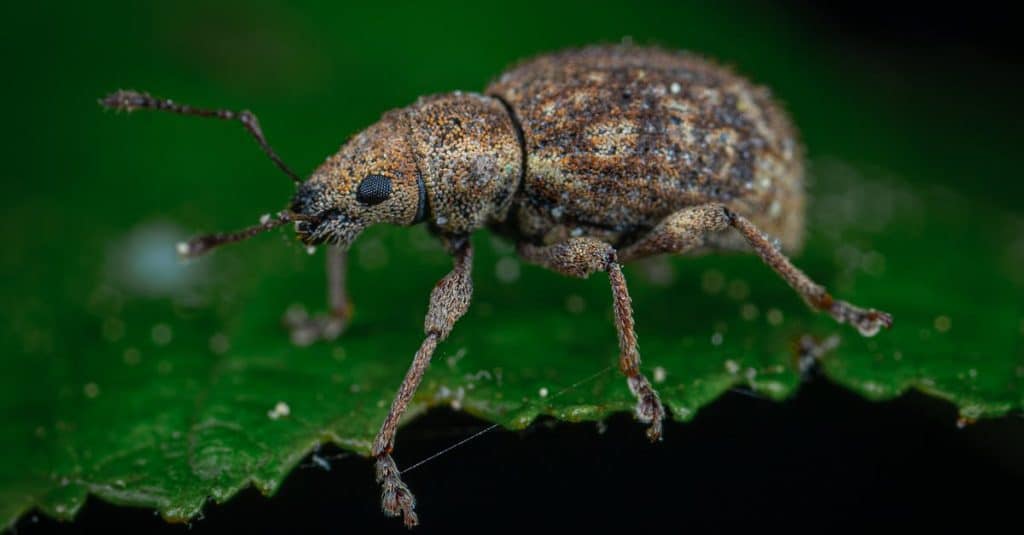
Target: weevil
x,y
586,159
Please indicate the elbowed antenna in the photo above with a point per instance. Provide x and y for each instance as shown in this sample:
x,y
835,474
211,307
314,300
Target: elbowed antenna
x,y
129,101
201,245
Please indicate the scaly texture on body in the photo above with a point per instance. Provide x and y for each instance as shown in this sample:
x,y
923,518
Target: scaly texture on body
x,y
618,137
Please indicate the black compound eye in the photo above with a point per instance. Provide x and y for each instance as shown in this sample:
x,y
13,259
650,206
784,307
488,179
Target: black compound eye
x,y
374,189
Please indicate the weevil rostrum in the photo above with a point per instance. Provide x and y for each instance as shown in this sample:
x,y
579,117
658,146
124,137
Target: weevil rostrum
x,y
585,159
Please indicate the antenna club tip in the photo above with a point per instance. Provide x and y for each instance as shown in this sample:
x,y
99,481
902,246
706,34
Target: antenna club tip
x,y
125,100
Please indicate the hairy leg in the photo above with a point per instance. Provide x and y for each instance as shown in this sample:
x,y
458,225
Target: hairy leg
x,y
687,229
305,329
448,302
579,257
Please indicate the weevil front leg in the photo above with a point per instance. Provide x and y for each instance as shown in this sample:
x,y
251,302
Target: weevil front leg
x,y
306,329
687,229
579,257
448,302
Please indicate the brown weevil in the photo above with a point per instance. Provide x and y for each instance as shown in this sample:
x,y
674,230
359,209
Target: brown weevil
x,y
585,159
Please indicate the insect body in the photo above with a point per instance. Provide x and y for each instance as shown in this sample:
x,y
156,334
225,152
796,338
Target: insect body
x,y
585,159
618,139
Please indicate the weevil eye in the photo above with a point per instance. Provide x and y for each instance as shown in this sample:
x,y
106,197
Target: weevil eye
x,y
374,189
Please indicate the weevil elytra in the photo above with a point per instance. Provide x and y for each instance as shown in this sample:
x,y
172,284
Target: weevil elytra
x,y
586,159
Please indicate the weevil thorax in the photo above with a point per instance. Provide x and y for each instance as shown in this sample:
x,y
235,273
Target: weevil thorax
x,y
451,160
471,158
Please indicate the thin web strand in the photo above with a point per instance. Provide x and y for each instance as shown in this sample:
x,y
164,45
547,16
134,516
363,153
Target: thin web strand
x,y
491,427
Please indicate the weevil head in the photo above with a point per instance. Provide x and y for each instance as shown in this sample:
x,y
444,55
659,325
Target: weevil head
x,y
372,179
451,160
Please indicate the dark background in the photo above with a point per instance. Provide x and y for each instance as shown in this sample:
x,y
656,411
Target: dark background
x,y
825,460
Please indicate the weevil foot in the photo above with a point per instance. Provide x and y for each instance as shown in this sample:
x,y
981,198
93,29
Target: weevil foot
x,y
306,330
648,406
867,321
395,496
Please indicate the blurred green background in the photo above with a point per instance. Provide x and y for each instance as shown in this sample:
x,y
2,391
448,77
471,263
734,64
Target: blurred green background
x,y
89,192
318,72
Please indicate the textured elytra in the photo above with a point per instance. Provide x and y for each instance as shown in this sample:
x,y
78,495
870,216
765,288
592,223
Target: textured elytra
x,y
619,137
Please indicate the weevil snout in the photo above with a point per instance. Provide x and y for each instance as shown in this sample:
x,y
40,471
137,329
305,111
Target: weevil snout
x,y
374,178
322,220
327,226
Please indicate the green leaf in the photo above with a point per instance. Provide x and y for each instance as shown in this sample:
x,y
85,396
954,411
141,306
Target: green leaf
x,y
149,383
161,402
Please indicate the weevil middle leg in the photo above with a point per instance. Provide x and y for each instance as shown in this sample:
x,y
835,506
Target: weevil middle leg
x,y
307,329
689,228
579,257
448,302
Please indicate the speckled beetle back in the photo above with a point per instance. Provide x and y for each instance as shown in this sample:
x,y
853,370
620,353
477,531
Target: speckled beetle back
x,y
618,137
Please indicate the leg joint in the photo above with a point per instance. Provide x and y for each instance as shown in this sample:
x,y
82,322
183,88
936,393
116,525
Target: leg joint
x,y
730,216
611,258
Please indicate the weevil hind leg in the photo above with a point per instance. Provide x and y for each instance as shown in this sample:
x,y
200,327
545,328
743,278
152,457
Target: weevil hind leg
x,y
579,257
648,409
306,330
688,229
448,302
